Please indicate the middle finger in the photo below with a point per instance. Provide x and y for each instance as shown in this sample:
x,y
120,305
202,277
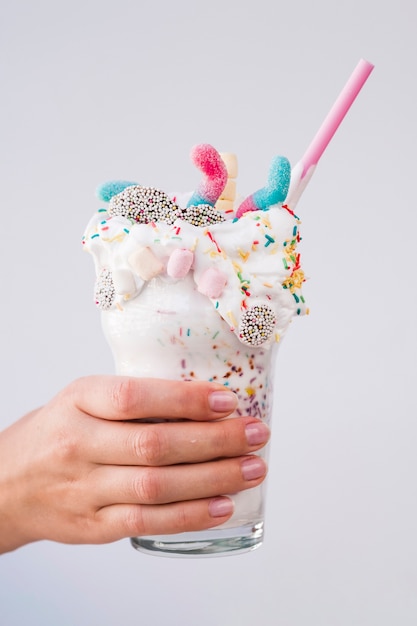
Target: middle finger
x,y
171,443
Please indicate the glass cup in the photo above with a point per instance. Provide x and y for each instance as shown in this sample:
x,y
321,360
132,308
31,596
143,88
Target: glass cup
x,y
172,331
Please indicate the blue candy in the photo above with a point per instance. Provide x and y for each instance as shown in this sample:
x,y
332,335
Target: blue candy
x,y
106,191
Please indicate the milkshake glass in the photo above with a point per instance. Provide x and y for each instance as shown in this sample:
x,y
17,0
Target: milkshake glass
x,y
174,332
201,293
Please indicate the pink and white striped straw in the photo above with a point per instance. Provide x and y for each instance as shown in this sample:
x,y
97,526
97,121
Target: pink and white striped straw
x,y
330,125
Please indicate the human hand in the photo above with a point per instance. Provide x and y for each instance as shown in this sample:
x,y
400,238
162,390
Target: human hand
x,y
79,471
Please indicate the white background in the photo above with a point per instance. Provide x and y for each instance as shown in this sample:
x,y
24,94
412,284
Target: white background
x,y
92,91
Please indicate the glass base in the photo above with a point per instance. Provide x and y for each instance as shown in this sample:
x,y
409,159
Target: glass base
x,y
204,543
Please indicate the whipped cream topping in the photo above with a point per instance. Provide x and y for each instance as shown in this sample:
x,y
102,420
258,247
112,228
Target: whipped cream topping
x,y
249,268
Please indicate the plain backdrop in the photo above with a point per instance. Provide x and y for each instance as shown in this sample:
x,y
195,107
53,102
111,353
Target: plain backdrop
x,y
97,90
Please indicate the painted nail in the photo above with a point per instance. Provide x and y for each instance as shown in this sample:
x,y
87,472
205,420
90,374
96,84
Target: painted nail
x,y
253,468
222,401
256,433
219,507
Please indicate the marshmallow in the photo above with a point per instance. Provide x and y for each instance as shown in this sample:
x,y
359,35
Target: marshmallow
x,y
229,192
230,161
145,264
124,282
179,263
212,282
225,205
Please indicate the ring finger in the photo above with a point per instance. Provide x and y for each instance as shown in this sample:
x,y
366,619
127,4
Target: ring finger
x,y
162,485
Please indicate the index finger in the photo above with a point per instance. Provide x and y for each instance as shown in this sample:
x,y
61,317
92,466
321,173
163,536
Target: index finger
x,y
127,398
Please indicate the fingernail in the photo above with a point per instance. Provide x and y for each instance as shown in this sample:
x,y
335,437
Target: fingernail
x,y
256,433
253,468
219,507
222,401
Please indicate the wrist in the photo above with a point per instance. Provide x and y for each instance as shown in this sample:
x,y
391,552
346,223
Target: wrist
x,y
13,530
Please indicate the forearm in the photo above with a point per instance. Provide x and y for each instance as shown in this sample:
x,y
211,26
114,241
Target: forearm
x,y
15,513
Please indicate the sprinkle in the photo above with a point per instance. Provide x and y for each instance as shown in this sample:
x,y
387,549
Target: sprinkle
x,y
257,325
250,391
96,235
287,208
294,281
126,230
231,318
268,285
285,263
188,332
102,210
145,205
217,304
244,255
270,240
183,364
104,292
294,232
296,298
213,240
201,215
119,237
216,333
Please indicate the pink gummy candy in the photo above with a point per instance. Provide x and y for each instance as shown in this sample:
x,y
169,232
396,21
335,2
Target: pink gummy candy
x,y
210,163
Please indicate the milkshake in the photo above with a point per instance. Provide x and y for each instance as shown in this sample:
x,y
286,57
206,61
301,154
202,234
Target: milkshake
x,y
203,287
193,291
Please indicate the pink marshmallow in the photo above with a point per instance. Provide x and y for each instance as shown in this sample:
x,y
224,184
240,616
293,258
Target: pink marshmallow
x,y
212,282
179,263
